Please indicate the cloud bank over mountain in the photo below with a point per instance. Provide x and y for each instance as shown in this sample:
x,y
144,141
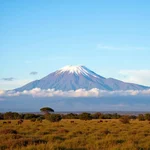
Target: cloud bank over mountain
x,y
37,92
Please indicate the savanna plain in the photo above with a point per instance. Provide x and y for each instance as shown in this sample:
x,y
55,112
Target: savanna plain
x,y
74,134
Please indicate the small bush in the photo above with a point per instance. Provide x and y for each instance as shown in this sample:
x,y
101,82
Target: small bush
x,y
11,115
1,116
133,117
147,117
125,119
85,116
39,119
97,115
141,117
70,116
54,117
29,116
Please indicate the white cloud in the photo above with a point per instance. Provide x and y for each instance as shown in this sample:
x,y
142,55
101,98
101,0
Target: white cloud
x,y
136,76
110,47
106,47
37,92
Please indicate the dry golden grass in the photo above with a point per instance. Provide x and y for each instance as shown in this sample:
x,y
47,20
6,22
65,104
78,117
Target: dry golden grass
x,y
79,135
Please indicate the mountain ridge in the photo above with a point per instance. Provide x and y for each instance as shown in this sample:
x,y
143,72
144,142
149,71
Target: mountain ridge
x,y
79,77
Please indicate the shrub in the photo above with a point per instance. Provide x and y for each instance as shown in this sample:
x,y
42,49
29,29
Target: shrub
x,y
11,115
97,115
141,117
29,116
40,119
85,116
54,117
70,116
1,116
133,117
115,116
125,119
106,116
147,117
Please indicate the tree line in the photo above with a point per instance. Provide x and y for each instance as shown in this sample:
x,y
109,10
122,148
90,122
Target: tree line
x,y
56,117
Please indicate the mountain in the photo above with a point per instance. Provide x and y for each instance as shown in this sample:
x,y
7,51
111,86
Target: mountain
x,y
77,77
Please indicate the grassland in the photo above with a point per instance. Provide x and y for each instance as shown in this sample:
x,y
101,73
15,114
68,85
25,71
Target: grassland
x,y
80,135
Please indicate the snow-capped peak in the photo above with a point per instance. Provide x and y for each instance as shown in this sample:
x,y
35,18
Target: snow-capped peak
x,y
77,70
72,69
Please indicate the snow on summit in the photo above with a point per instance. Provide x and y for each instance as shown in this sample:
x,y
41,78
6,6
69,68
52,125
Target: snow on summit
x,y
72,69
78,70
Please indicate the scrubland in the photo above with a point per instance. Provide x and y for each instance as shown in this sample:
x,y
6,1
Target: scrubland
x,y
75,134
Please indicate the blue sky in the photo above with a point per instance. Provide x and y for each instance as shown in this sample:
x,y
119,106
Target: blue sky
x,y
109,37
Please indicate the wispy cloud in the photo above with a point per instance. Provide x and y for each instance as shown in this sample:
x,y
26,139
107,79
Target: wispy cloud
x,y
110,47
136,76
33,73
37,92
106,47
8,79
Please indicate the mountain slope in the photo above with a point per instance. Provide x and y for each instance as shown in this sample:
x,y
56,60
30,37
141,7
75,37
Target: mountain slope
x,y
77,77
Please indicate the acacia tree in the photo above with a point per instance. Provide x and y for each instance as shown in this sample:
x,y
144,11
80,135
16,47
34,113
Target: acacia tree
x,y
46,110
